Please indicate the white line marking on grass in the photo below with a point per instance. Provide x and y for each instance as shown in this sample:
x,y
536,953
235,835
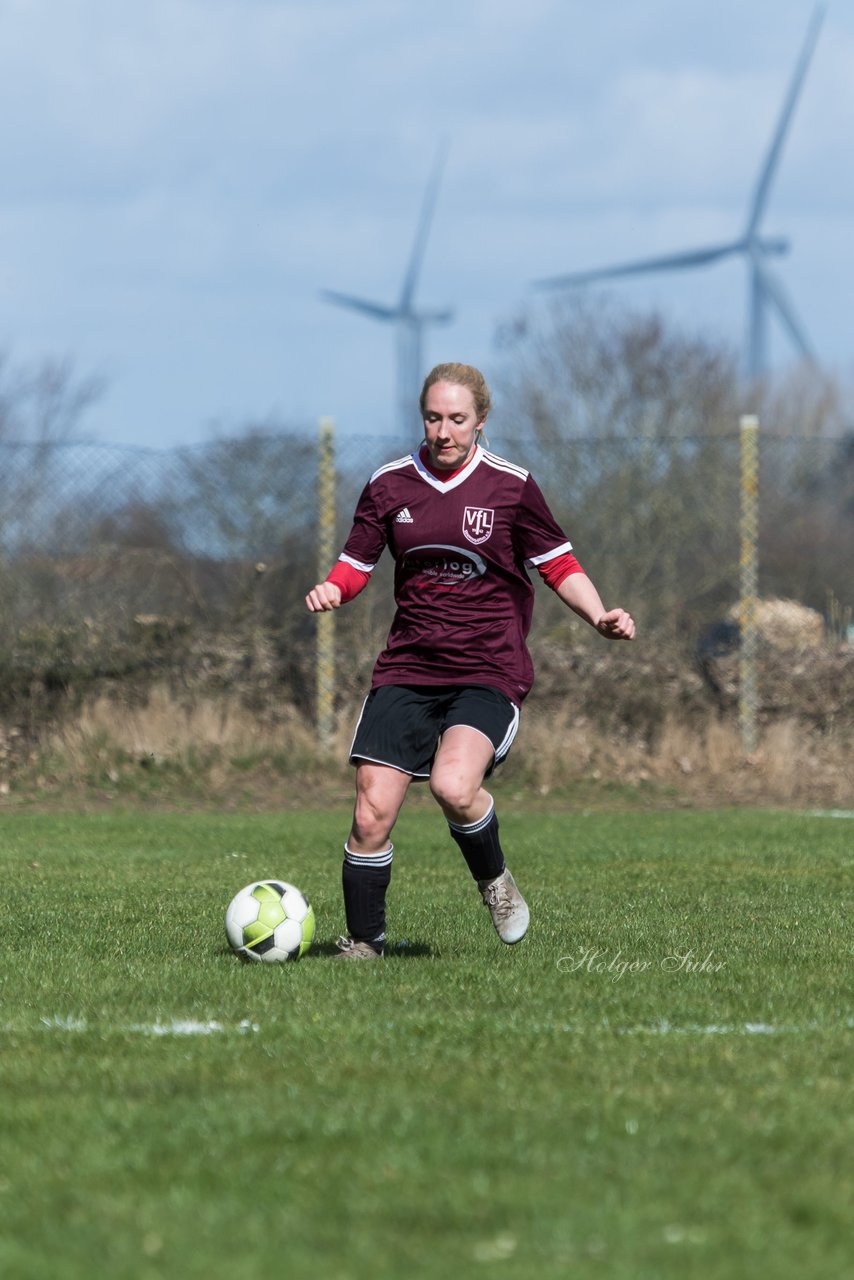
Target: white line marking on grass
x,y
832,813
177,1027
725,1029
186,1027
665,1028
59,1023
190,1027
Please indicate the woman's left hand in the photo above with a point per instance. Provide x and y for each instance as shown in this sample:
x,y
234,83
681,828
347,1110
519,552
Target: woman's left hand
x,y
616,624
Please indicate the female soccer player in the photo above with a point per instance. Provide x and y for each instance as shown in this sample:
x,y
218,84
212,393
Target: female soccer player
x,y
462,526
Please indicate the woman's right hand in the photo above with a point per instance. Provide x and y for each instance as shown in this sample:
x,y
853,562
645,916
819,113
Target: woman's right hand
x,y
323,597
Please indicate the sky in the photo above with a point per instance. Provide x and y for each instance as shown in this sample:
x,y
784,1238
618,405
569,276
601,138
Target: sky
x,y
182,178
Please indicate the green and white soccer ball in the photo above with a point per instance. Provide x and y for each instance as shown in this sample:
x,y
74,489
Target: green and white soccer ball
x,y
270,920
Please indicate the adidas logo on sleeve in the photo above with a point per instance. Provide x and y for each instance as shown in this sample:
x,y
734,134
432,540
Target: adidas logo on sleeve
x,y
403,517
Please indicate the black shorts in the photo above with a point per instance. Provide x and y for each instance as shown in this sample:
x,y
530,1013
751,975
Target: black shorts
x,y
400,725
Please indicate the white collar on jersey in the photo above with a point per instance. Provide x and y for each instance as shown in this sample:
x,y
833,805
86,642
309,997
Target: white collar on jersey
x,y
445,486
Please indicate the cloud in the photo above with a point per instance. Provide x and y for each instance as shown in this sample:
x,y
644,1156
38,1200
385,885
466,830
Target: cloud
x,y
197,170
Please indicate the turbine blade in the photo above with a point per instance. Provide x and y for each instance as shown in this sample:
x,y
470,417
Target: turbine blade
x,y
670,262
429,203
373,309
763,186
772,288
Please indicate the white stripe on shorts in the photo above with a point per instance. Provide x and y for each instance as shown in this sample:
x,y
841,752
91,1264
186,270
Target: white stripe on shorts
x,y
507,741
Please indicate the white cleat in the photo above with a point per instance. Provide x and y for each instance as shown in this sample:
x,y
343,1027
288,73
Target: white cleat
x,y
508,908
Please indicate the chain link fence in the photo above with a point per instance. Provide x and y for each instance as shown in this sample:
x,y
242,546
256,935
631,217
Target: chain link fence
x,y
657,518
100,542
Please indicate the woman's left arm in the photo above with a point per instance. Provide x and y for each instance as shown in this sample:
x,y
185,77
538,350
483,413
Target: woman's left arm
x,y
578,592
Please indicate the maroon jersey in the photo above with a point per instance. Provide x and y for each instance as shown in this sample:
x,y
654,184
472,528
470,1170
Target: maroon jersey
x,y
460,547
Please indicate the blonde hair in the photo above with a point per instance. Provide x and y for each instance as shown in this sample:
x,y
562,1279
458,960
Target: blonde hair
x,y
461,375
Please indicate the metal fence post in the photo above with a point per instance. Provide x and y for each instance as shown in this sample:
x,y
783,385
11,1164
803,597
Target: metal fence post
x,y
325,657
747,685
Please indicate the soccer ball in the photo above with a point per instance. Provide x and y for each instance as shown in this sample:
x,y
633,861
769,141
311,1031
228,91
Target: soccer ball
x,y
270,920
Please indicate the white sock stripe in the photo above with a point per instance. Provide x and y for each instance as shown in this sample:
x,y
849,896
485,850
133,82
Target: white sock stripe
x,y
472,828
355,860
382,859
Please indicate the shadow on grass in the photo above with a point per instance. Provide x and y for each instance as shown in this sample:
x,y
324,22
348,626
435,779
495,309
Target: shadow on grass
x,y
402,950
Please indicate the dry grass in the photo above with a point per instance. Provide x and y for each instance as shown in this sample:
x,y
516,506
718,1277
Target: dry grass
x,y
208,747
792,765
165,727
214,745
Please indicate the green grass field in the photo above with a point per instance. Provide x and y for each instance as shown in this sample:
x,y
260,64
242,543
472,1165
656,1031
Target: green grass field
x,y
655,1083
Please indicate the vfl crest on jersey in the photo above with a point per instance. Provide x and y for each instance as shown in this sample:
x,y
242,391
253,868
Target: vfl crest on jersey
x,y
477,524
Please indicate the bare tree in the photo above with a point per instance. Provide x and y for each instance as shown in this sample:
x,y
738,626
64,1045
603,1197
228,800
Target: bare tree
x,y
633,427
586,369
43,404
41,409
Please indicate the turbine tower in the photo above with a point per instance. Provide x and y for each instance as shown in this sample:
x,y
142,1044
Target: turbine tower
x,y
409,320
765,290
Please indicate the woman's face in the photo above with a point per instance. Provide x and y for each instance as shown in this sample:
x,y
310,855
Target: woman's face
x,y
451,425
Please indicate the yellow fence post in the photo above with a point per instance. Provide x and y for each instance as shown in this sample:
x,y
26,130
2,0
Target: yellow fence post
x,y
325,658
747,684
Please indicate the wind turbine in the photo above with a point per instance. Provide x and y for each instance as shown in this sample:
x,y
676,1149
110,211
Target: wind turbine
x,y
766,291
409,320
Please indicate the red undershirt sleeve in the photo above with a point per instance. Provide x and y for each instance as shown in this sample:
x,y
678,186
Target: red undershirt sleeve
x,y
554,571
349,580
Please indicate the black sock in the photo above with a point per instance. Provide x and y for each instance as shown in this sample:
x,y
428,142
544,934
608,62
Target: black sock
x,y
365,879
480,845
